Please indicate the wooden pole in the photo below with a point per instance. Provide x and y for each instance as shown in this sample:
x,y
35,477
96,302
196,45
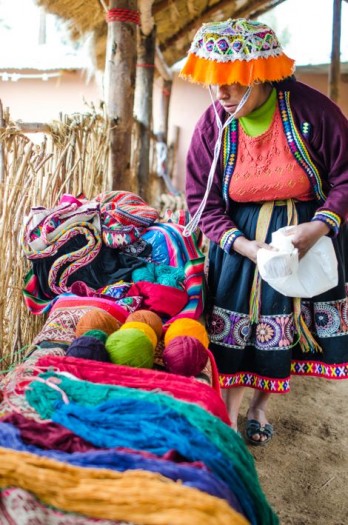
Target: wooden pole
x,y
164,109
2,163
335,66
162,66
143,110
119,85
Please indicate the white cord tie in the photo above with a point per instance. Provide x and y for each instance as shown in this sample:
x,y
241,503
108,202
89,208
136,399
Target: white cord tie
x,y
193,223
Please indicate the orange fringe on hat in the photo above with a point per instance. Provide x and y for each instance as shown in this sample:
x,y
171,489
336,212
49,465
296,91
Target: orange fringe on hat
x,y
210,72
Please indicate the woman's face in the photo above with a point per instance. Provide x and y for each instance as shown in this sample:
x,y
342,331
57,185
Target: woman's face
x,y
229,97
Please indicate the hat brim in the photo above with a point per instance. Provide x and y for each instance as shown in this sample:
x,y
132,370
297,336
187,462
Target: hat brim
x,y
210,72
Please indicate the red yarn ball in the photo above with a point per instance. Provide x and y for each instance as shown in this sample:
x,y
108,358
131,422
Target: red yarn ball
x,y
185,355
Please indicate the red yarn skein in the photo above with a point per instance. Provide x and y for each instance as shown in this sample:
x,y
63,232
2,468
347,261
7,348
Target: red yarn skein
x,y
185,355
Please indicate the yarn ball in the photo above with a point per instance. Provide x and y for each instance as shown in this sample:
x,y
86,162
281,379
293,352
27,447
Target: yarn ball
x,y
150,332
97,319
98,334
185,355
130,347
148,317
187,326
87,347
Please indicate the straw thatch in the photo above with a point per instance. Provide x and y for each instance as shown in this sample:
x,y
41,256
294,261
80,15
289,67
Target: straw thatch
x,y
176,21
72,158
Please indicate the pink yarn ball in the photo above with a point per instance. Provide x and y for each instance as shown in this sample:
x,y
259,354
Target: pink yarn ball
x,y
185,355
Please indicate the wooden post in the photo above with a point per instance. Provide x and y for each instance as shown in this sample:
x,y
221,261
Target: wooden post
x,y
164,109
2,164
119,81
334,74
143,111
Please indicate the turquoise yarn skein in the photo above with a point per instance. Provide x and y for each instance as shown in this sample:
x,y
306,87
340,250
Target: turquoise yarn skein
x,y
130,347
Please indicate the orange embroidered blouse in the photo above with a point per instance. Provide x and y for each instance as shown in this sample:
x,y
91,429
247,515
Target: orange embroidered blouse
x,y
266,169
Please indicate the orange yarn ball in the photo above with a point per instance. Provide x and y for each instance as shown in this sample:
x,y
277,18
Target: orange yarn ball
x,y
148,317
189,327
150,332
97,319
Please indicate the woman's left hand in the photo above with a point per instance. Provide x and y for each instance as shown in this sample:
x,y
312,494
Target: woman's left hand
x,y
305,235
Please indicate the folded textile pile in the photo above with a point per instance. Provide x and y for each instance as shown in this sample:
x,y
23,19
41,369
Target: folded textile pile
x,y
116,417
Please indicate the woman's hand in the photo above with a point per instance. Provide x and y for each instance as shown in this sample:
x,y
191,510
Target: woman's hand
x,y
249,248
305,235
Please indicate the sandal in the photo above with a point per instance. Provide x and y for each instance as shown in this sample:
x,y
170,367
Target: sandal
x,y
254,427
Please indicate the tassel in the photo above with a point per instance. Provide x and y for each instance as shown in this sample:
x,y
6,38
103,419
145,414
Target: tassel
x,y
255,299
262,226
306,340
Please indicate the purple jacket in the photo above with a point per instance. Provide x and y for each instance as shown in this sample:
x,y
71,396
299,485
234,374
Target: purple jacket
x,y
322,128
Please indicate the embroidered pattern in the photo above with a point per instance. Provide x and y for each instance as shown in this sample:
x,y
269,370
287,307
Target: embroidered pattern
x,y
235,40
228,239
312,368
230,145
282,386
266,384
297,146
276,332
327,319
330,218
306,129
234,330
61,325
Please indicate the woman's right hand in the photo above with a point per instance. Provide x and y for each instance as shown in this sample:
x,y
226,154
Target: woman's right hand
x,y
249,248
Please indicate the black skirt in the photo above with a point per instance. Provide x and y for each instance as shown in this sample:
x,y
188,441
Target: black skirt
x,y
265,354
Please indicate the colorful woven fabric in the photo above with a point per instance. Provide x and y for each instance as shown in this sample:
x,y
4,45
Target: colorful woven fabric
x,y
180,249
47,231
66,312
113,495
236,51
45,226
124,216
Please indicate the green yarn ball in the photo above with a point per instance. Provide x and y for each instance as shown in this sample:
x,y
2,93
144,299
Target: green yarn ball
x,y
130,347
98,334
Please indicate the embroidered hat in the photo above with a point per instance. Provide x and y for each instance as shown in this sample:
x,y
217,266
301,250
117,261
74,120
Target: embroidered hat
x,y
236,51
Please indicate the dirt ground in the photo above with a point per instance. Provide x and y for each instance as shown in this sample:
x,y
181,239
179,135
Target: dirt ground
x,y
304,470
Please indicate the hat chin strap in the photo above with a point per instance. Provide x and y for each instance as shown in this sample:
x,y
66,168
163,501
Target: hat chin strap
x,y
193,224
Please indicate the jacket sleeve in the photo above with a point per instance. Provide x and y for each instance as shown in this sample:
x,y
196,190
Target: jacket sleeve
x,y
331,142
214,222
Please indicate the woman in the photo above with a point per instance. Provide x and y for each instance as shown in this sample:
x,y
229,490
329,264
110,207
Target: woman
x,y
269,152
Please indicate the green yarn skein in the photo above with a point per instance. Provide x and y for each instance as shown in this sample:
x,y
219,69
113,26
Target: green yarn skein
x,y
145,273
161,274
130,347
98,334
